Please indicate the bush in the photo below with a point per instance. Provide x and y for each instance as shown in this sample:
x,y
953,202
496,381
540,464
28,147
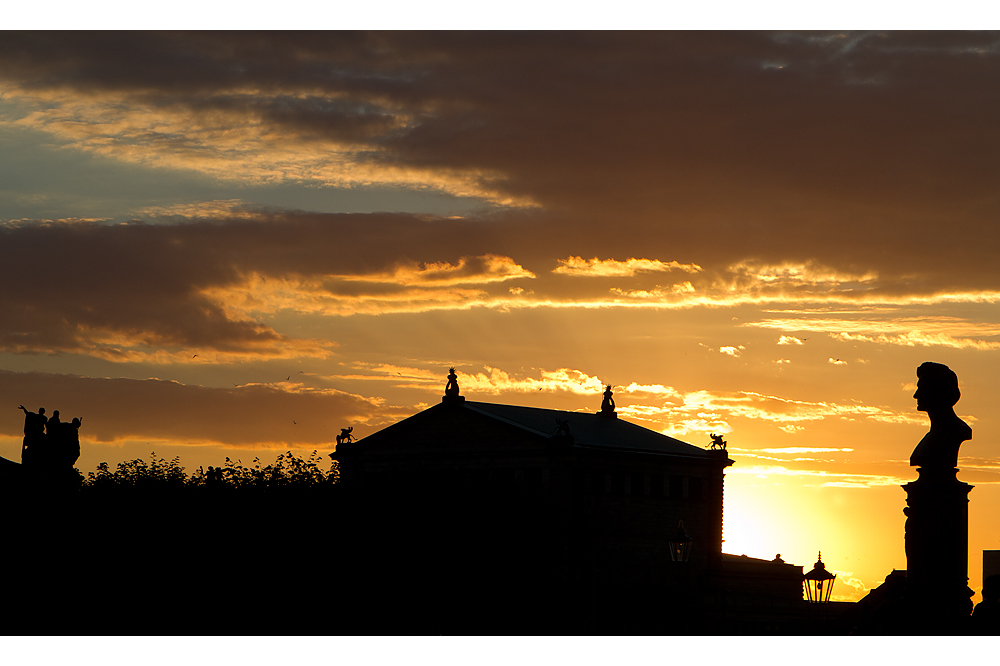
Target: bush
x,y
288,471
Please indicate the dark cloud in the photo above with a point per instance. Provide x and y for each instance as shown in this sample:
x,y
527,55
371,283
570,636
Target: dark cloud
x,y
861,152
776,144
120,409
108,290
68,286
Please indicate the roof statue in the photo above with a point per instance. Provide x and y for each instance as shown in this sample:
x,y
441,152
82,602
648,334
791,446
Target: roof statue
x,y
562,432
451,389
937,392
608,404
345,435
718,444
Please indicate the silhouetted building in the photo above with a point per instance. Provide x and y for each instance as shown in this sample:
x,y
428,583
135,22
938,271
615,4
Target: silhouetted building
x,y
570,514
991,563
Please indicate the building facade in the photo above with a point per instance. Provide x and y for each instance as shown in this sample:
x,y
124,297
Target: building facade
x,y
577,514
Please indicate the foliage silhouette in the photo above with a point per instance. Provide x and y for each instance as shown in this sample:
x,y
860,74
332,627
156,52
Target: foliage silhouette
x,y
147,519
288,471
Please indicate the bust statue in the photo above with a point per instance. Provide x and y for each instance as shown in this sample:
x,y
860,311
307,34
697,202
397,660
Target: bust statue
x,y
937,392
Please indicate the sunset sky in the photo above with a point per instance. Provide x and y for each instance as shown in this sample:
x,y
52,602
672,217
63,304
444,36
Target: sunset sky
x,y
237,244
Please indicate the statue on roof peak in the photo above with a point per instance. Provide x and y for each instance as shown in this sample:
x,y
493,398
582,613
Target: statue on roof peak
x,y
608,404
451,389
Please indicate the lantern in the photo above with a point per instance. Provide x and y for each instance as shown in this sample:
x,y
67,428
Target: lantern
x,y
680,544
819,582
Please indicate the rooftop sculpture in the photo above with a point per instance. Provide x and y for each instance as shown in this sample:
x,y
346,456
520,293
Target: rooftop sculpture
x,y
451,388
608,404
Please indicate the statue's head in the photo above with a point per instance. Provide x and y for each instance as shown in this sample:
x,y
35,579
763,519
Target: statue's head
x,y
937,387
41,410
55,414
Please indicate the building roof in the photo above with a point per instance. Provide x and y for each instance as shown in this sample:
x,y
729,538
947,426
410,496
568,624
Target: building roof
x,y
596,431
588,429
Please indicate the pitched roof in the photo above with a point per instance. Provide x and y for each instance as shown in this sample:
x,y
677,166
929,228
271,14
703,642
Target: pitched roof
x,y
588,429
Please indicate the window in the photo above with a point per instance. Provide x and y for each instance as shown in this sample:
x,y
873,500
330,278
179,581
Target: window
x,y
676,487
656,485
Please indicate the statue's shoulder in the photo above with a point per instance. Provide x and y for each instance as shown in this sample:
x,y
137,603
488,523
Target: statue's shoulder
x,y
963,430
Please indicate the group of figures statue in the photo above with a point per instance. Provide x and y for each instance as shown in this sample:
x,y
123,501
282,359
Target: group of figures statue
x,y
48,442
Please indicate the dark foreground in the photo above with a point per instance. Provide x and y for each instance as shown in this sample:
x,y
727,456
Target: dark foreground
x,y
317,560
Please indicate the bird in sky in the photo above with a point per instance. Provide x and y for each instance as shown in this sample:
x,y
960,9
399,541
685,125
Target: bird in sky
x,y
195,356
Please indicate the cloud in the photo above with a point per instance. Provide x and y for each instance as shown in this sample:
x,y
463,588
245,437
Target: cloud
x,y
731,351
920,339
612,268
117,409
657,293
475,270
218,209
493,381
749,274
246,135
675,412
725,153
832,479
784,411
836,361
804,449
908,331
789,340
157,292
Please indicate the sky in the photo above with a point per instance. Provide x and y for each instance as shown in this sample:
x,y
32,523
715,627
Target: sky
x,y
236,244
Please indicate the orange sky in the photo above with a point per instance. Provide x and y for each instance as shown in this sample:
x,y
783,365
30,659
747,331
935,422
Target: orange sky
x,y
235,245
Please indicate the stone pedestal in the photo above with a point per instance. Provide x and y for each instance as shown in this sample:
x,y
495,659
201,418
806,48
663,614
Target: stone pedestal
x,y
937,551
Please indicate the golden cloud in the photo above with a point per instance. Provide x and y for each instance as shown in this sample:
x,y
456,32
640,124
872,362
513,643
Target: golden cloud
x,y
834,479
612,268
705,411
478,270
902,331
749,274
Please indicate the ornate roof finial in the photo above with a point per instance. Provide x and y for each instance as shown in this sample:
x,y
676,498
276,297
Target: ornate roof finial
x,y
451,389
608,404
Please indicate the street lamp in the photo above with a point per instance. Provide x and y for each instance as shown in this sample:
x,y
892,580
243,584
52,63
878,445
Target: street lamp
x,y
680,544
819,582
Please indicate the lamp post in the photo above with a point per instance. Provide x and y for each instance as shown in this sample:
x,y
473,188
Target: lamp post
x,y
680,544
819,582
